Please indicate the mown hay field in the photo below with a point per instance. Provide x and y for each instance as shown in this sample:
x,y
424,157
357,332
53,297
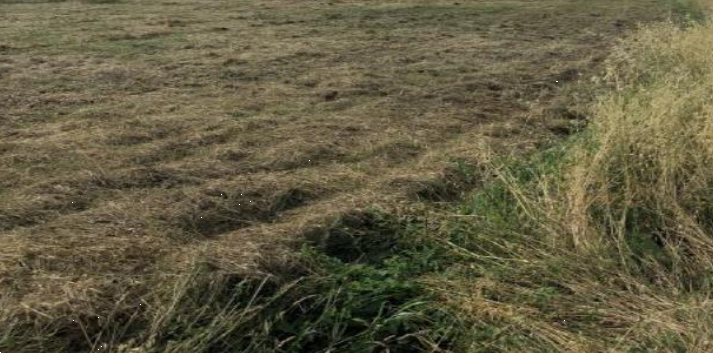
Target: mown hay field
x,y
136,137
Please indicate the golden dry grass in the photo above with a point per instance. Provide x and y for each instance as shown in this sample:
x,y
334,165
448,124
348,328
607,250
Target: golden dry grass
x,y
610,247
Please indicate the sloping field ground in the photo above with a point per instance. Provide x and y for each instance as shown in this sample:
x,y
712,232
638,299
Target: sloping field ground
x,y
137,137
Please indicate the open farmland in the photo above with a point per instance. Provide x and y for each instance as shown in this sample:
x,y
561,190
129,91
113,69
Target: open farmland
x,y
135,136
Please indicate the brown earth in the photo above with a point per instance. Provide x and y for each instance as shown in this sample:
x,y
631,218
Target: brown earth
x,y
134,135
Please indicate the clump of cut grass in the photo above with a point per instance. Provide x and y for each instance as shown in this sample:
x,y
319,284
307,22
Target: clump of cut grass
x,y
323,300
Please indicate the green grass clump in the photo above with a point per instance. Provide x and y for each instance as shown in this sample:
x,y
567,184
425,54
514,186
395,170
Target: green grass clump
x,y
338,307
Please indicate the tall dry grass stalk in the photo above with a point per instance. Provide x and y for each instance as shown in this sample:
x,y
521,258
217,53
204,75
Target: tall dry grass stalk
x,y
645,171
612,250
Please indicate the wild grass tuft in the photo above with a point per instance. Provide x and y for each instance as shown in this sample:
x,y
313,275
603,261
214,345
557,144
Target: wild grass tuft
x,y
603,243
